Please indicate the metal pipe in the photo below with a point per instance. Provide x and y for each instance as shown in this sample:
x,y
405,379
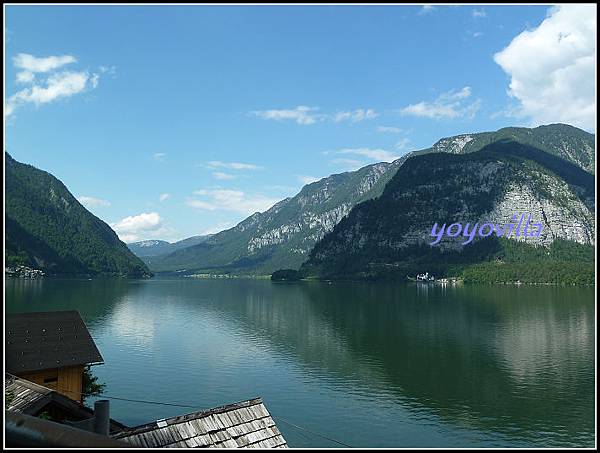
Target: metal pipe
x,y
102,417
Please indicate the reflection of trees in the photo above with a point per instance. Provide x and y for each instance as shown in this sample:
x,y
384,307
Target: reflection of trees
x,y
94,299
514,360
463,351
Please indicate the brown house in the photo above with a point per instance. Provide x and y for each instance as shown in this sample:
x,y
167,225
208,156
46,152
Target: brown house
x,y
51,349
27,398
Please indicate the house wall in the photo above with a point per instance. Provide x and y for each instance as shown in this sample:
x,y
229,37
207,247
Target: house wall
x,y
67,380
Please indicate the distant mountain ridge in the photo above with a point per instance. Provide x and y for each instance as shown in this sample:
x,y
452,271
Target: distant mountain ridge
x,y
283,236
562,140
48,229
155,247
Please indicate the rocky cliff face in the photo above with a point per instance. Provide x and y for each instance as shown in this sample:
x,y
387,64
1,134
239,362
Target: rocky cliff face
x,y
489,186
282,236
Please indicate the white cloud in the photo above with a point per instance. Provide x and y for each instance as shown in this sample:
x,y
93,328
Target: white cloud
x,y
306,179
451,104
232,165
44,84
378,155
301,114
355,158
25,77
56,86
30,63
160,157
91,202
163,197
110,70
389,129
478,13
94,80
230,200
354,115
217,228
141,226
426,9
222,176
199,204
308,115
346,164
552,67
402,144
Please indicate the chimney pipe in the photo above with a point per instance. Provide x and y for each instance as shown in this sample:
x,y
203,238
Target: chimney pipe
x,y
101,417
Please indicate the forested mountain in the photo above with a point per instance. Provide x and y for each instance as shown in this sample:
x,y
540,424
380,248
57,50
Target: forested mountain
x,y
48,229
391,236
283,236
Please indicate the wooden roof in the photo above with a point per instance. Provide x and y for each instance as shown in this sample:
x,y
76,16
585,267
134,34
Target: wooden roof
x,y
46,340
247,424
26,397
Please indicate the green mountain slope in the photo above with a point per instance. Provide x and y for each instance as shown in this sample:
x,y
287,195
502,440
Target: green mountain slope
x,y
283,236
390,236
48,229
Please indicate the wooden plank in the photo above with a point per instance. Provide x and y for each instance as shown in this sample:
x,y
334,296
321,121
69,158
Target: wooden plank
x,y
245,414
203,441
234,418
175,433
223,420
242,441
230,443
199,426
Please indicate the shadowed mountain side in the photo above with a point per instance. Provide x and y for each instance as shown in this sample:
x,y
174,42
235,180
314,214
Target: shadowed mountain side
x,y
490,185
48,229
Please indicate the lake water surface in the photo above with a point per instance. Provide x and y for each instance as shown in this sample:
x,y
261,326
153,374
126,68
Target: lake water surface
x,y
367,364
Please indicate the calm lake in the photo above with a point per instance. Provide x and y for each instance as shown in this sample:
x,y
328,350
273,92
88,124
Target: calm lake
x,y
366,364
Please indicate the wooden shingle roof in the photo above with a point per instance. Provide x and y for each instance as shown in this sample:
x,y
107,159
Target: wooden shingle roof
x,y
25,396
247,424
29,398
46,340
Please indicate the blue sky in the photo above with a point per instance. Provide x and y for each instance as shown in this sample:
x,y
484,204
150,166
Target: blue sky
x,y
168,122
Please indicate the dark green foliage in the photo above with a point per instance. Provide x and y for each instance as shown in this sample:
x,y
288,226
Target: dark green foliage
x,y
48,229
547,271
286,275
91,386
